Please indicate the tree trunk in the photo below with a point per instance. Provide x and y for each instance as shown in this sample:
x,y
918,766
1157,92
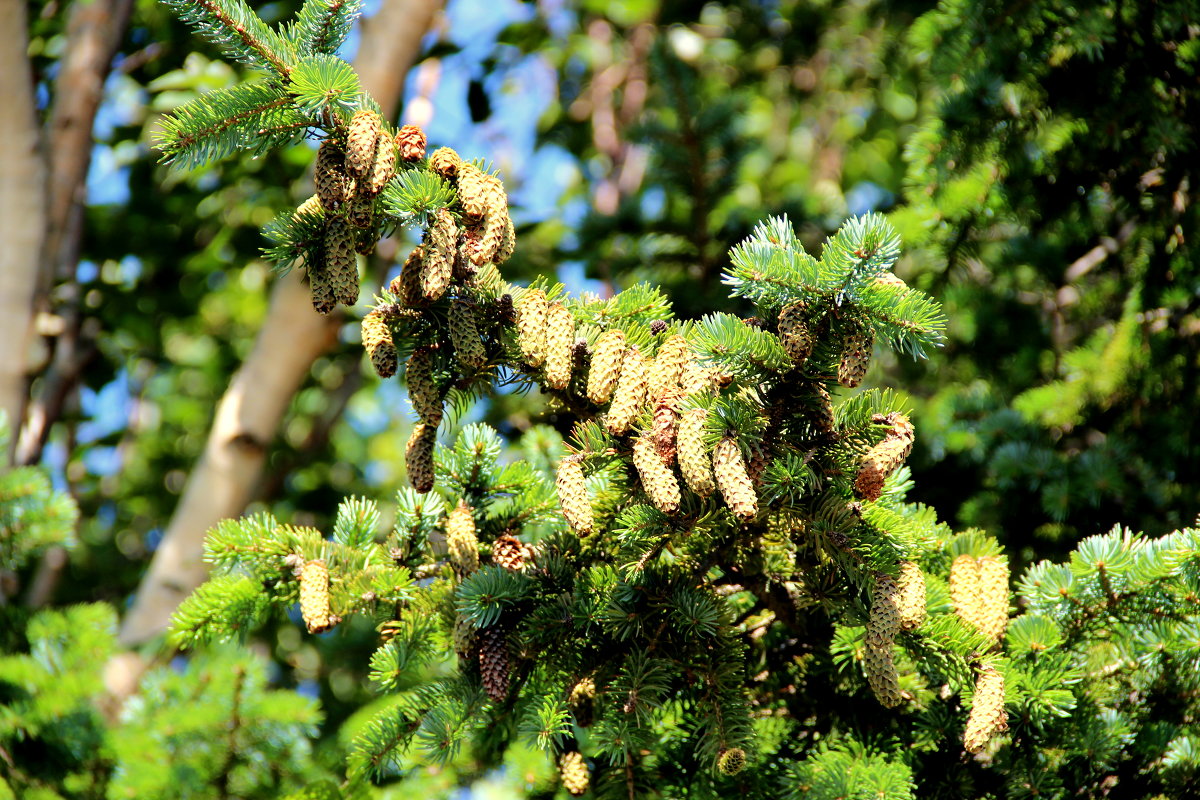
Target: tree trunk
x,y
22,211
292,337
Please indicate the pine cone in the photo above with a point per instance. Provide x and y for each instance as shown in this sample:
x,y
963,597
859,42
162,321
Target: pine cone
x,y
377,339
694,461
993,596
882,626
461,542
582,701
418,456
314,597
410,141
341,263
468,242
666,424
464,335
573,494
629,395
794,334
508,552
493,661
666,370
423,393
987,717
319,285
657,479
406,286
531,326
382,168
464,637
495,222
965,590
310,208
560,338
731,761
697,379
912,595
574,772
822,414
445,162
473,190
606,365
361,138
856,355
884,458
441,242
362,211
334,187
729,468
889,279
508,242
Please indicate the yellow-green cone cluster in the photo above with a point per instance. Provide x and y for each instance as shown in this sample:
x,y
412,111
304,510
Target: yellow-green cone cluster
x,y
666,371
987,717
493,661
856,355
560,338
731,761
462,545
334,187
729,469
314,597
657,479
418,456
464,636
407,285
884,458
361,138
912,595
464,335
882,626
607,355
582,701
441,241
423,392
531,326
377,339
695,463
794,334
979,591
630,393
574,772
341,262
573,494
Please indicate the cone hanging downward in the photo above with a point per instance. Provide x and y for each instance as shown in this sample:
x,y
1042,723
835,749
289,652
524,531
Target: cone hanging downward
x,y
794,334
314,597
657,478
377,340
993,596
493,661
574,772
560,337
418,456
410,141
461,541
573,494
361,138
531,326
965,590
912,595
987,717
884,458
729,469
423,392
464,335
629,395
606,366
695,462
882,626
856,355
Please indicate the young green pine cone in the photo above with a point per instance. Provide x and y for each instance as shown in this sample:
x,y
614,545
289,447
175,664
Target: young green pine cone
x,y
666,424
310,208
560,338
334,187
464,636
665,372
987,717
461,542
629,395
445,162
694,461
508,242
531,326
362,211
729,468
464,335
495,221
856,355
377,339
657,479
882,626
965,590
323,298
418,456
884,458
731,761
508,552
573,494
697,379
794,334
574,772
473,190
361,138
383,167
582,702
606,365
493,661
314,597
993,596
912,595
440,245
410,141
341,263
423,392
821,413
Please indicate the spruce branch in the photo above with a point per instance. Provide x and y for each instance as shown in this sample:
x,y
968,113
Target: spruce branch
x,y
238,31
322,25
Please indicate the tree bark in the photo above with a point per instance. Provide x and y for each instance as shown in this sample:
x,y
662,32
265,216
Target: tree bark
x,y
22,211
292,337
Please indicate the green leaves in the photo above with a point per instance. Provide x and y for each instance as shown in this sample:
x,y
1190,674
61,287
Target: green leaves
x,y
324,83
